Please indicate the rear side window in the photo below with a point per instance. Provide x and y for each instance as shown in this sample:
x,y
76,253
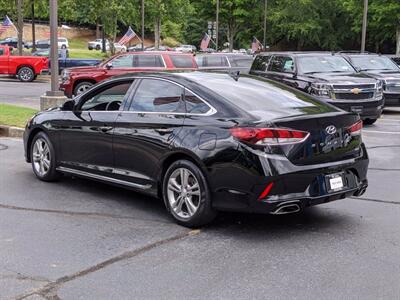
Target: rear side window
x,y
282,64
182,61
147,61
155,95
260,63
216,61
241,62
194,105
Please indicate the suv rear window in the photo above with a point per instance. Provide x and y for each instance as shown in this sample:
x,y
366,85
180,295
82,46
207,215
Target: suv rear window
x,y
241,61
182,61
260,63
215,61
147,61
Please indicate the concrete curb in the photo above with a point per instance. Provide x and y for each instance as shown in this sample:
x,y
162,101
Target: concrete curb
x,y
10,131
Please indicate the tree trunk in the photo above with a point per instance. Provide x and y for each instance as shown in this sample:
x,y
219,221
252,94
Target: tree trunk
x,y
33,26
97,29
157,29
398,39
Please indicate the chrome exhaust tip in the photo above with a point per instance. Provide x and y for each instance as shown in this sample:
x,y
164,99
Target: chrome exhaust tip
x,y
286,208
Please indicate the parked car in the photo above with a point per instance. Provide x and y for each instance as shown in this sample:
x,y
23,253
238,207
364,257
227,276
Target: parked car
x,y
11,42
63,43
98,45
396,59
46,53
204,142
160,48
381,68
136,48
326,76
186,48
75,81
26,68
231,62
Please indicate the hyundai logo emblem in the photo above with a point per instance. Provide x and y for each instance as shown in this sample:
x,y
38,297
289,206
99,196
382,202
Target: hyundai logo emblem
x,y
330,129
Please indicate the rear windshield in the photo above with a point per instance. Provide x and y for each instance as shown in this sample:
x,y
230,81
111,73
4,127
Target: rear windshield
x,y
182,61
259,96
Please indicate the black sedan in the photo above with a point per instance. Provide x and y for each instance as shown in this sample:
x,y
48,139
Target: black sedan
x,y
204,142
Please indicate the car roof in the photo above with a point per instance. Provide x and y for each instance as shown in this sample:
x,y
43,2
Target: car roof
x,y
157,52
298,53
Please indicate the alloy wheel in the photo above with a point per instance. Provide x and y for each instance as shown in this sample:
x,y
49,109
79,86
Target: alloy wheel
x,y
25,74
41,157
183,192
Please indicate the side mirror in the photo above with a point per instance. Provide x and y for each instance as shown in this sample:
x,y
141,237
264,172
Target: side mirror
x,y
294,74
68,106
109,65
358,69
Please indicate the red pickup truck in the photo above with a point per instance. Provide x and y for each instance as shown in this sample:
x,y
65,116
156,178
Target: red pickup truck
x,y
26,68
75,81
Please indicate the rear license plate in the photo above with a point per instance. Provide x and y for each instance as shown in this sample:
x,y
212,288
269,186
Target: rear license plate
x,y
335,182
356,109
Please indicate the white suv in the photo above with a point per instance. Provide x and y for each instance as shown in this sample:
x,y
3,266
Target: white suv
x,y
63,43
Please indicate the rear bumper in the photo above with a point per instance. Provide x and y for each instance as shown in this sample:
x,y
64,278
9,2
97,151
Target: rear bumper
x,y
366,109
302,185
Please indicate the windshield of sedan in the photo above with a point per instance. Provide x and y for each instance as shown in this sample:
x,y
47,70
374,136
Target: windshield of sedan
x,y
366,63
323,64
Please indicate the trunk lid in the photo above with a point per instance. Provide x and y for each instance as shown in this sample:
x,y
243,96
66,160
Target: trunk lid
x,y
329,140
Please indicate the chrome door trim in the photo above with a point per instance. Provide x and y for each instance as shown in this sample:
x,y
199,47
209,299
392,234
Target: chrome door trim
x,y
103,178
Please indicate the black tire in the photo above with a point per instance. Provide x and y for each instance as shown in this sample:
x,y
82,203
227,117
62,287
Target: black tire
x,y
26,74
98,47
204,213
369,121
63,47
82,87
51,173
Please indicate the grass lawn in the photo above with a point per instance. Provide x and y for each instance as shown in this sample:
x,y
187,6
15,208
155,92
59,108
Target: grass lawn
x,y
15,115
78,49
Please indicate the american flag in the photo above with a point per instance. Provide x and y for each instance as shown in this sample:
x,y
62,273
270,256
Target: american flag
x,y
205,41
256,44
130,34
7,23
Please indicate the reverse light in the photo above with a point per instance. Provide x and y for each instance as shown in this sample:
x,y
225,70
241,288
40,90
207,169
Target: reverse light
x,y
269,136
356,128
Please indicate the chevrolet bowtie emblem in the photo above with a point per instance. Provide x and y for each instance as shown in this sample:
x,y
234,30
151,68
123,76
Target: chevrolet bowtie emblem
x,y
355,91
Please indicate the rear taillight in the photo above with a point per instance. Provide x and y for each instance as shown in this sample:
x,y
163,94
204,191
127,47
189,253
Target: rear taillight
x,y
356,128
269,136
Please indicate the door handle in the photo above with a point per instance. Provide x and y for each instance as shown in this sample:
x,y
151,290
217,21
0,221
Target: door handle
x,y
105,128
164,130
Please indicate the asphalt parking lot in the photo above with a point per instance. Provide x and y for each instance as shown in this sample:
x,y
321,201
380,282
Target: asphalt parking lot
x,y
77,239
23,94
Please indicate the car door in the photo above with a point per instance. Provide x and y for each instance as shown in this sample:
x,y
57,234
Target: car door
x,y
86,133
3,62
145,130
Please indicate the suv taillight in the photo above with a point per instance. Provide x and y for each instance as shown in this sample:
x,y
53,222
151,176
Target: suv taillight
x,y
269,136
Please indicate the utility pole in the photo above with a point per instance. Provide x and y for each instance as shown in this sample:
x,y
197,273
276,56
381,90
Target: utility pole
x,y
364,26
54,47
265,25
33,26
217,27
54,97
20,26
103,39
142,25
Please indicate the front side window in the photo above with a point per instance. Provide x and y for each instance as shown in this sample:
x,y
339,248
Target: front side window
x,y
194,105
261,62
108,98
155,95
147,61
123,61
281,64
